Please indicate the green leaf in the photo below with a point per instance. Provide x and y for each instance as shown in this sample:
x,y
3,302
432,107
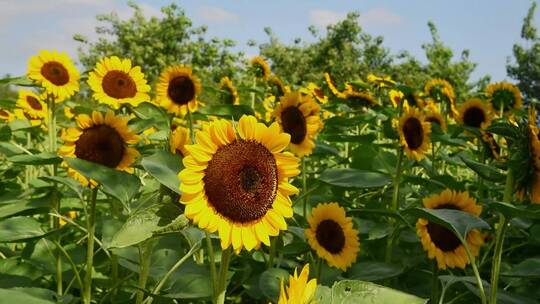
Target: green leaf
x,y
360,292
351,178
503,128
69,182
269,282
21,228
374,271
27,295
5,133
529,268
485,171
44,158
164,166
227,111
20,81
191,286
120,185
456,221
511,211
20,206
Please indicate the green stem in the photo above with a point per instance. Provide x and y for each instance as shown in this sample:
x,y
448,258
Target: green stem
x,y
190,122
145,259
273,245
435,283
114,272
318,269
70,261
91,228
499,239
395,205
212,261
475,270
481,160
223,270
252,94
304,186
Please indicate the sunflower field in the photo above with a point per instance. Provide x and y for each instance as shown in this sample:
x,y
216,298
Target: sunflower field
x,y
315,173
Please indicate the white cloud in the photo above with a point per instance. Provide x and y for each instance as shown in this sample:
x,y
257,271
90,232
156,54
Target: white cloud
x,y
322,18
217,14
380,17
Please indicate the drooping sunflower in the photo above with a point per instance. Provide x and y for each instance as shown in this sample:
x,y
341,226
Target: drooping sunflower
x,y
414,100
317,92
299,290
31,103
360,99
116,81
414,133
475,113
434,116
102,139
178,89
280,87
396,97
261,67
231,97
440,243
491,144
298,116
504,96
55,72
236,182
438,89
332,236
178,141
332,86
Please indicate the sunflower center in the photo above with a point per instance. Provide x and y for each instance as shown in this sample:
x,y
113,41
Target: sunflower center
x,y
100,144
118,84
474,117
331,236
413,132
3,113
55,72
181,90
241,181
294,124
443,238
33,103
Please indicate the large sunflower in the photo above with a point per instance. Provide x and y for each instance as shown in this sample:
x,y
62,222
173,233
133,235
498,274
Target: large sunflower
x,y
504,95
100,139
261,67
178,89
332,236
475,113
231,95
115,81
32,104
332,86
441,243
298,116
55,72
299,291
178,141
414,133
236,182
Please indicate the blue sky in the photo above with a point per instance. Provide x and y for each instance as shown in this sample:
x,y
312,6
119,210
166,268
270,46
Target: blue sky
x,y
487,28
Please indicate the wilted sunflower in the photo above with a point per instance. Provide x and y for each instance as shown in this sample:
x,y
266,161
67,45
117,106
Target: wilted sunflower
x,y
414,133
55,72
232,94
441,243
434,116
100,139
332,86
115,81
360,99
504,95
298,116
299,291
178,141
475,113
31,103
396,97
281,88
332,236
261,67
236,182
178,89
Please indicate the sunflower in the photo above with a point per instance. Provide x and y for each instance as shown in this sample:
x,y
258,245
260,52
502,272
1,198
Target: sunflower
x,y
236,182
298,116
178,89
504,95
115,81
437,88
178,141
414,100
475,113
31,103
55,72
332,86
299,291
100,139
533,180
231,97
396,97
317,92
6,115
360,99
384,81
441,243
281,88
261,67
414,133
268,105
21,114
68,112
332,236
434,116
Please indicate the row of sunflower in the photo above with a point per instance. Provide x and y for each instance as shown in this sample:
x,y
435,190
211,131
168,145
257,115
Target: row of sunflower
x,y
306,171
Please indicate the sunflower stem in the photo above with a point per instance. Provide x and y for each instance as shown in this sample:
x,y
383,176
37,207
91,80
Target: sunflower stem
x,y
475,270
190,122
91,228
212,261
481,159
435,283
145,259
394,206
499,238
304,187
252,94
319,269
223,270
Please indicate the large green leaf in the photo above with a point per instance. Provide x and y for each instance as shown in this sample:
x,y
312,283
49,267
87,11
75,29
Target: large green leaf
x,y
44,158
529,268
269,282
21,228
164,166
121,185
374,271
456,221
227,111
511,211
27,295
360,292
5,133
485,171
351,178
20,206
69,182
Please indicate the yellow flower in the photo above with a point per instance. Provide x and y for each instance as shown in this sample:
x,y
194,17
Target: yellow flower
x,y
396,97
115,81
252,202
55,72
178,141
269,104
504,95
433,115
360,98
332,236
332,86
440,243
262,69
414,133
475,113
68,112
278,84
70,215
30,103
317,92
20,114
100,139
300,290
178,89
6,115
232,94
384,81
437,87
298,115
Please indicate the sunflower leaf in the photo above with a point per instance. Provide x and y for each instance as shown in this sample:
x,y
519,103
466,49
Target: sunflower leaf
x,y
21,228
457,221
360,292
227,111
45,158
351,178
485,171
164,166
511,211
